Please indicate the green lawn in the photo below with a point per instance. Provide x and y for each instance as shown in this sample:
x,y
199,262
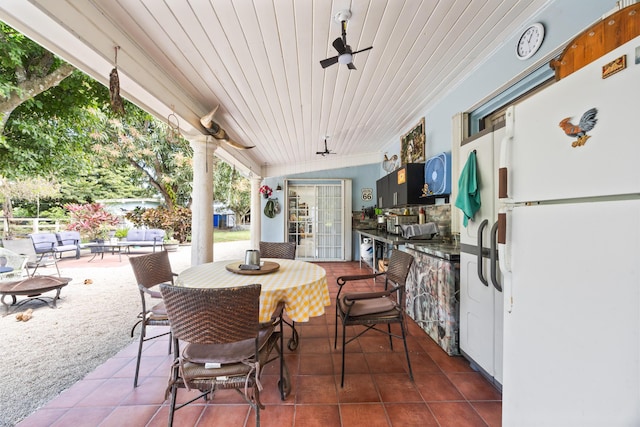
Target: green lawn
x,y
230,236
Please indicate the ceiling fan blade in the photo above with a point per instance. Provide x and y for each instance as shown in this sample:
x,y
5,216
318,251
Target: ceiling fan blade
x,y
351,66
329,61
340,46
362,50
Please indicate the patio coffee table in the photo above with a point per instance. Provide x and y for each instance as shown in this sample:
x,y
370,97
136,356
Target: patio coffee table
x,y
103,247
33,288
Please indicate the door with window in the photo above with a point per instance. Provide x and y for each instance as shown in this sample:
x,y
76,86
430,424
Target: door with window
x,y
319,219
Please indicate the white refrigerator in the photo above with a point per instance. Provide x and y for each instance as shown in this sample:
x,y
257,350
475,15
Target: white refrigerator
x,y
569,247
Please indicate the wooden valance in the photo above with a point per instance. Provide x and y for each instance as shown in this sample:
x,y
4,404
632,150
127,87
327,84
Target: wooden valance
x,y
601,38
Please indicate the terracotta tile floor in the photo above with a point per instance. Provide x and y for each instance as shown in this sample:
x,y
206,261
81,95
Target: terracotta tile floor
x,y
377,389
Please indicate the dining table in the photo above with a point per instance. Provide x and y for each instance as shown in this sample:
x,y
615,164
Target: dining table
x,y
301,285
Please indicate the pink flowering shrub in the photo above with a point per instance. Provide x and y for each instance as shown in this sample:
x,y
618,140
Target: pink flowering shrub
x,y
91,220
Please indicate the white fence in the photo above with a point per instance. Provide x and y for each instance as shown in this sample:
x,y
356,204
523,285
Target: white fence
x,y
22,226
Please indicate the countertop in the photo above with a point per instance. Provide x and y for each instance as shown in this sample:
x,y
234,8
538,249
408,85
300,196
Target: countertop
x,y
383,236
435,247
444,250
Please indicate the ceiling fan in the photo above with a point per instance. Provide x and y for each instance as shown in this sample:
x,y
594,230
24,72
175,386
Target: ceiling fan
x,y
345,54
217,132
326,150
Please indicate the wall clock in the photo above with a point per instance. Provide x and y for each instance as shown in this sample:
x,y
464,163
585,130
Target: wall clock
x,y
530,41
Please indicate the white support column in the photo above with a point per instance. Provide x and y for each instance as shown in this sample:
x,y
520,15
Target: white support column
x,y
202,204
255,231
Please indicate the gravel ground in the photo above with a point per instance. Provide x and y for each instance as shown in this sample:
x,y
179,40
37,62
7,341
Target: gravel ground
x,y
55,348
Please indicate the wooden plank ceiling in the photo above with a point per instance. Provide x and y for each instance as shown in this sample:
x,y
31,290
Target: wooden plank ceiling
x,y
259,60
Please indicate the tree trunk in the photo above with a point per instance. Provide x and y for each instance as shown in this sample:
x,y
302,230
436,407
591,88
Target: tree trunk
x,y
29,89
168,200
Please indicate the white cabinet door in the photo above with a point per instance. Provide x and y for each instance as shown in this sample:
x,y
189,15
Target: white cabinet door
x,y
477,314
481,304
487,148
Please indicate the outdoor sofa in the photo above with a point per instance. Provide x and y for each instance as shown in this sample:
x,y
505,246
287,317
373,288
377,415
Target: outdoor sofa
x,y
56,243
151,237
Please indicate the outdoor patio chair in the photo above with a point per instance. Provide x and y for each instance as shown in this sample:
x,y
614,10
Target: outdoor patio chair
x,y
226,345
284,250
150,271
370,309
34,260
47,243
12,265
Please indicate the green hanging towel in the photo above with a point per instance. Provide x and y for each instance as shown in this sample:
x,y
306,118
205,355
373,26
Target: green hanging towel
x,y
468,199
269,209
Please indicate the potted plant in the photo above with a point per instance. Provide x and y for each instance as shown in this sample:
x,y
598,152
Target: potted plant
x,y
170,244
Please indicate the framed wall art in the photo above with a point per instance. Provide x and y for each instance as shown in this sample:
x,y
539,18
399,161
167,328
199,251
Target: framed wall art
x,y
412,145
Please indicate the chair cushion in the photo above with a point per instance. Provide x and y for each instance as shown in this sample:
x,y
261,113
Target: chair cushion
x,y
225,353
44,242
65,248
368,306
158,314
154,234
68,238
159,309
198,370
135,234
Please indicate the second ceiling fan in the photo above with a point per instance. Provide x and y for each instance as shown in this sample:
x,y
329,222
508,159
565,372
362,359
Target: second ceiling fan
x,y
345,54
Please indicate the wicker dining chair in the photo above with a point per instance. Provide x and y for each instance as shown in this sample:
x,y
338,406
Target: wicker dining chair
x,y
283,250
226,345
370,309
150,271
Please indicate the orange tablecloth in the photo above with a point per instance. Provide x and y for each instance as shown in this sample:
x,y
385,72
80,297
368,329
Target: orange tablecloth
x,y
301,285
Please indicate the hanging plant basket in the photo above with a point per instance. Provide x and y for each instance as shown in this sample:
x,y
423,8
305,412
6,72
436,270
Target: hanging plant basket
x,y
266,191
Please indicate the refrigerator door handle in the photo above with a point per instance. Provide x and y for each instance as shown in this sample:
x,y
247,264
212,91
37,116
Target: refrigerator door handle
x,y
504,256
484,281
494,257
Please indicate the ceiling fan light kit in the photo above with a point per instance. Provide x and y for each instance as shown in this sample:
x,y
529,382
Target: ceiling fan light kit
x,y
345,58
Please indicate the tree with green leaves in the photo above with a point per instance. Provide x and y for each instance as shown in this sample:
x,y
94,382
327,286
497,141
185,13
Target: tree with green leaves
x,y
45,105
232,189
140,141
56,121
26,70
30,189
